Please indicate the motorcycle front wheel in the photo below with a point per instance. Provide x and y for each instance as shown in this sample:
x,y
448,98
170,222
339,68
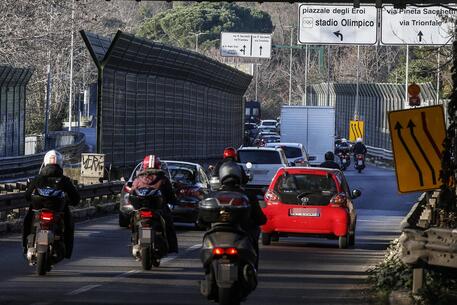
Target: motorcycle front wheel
x,y
146,259
41,263
227,296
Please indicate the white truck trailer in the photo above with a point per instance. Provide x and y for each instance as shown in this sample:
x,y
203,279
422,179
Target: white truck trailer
x,y
313,126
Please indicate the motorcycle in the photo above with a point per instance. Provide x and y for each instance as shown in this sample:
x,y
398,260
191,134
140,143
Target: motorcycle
x,y
228,255
345,160
359,162
45,245
149,240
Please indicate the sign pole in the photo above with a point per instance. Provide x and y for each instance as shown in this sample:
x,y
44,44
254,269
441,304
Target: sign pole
x,y
328,75
406,75
256,79
356,107
290,65
305,101
438,78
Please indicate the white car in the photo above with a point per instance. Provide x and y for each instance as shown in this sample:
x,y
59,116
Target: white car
x,y
295,153
268,123
265,164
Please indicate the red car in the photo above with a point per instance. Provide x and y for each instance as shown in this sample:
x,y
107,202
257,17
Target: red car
x,y
313,202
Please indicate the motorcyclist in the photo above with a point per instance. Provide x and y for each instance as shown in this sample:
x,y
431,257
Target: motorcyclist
x,y
329,161
359,148
152,176
230,156
344,147
51,175
231,176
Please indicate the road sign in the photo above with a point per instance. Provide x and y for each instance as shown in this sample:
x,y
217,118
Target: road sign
x,y
246,45
337,24
416,25
417,137
356,130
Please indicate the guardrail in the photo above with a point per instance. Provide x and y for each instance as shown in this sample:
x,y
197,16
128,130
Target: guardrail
x,y
428,240
17,200
11,167
380,153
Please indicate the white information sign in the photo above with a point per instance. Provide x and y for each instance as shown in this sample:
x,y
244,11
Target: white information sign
x,y
337,24
416,25
246,45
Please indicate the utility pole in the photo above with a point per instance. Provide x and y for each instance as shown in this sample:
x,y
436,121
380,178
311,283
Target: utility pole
x,y
196,39
290,63
71,65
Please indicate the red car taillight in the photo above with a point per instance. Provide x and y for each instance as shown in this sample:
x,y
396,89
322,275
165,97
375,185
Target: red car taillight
x,y
47,216
227,251
339,200
360,157
271,197
146,214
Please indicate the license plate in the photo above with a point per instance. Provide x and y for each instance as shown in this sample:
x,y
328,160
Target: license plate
x,y
146,234
227,273
360,162
303,212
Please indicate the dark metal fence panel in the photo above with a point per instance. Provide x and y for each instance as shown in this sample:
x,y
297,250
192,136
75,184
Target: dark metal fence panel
x,y
13,83
158,99
375,101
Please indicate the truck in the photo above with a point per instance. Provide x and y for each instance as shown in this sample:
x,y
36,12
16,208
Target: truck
x,y
312,126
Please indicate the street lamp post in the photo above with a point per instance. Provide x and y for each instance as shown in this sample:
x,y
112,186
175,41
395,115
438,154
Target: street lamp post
x,y
196,39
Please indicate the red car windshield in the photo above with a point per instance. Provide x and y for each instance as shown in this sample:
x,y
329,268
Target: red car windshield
x,y
305,189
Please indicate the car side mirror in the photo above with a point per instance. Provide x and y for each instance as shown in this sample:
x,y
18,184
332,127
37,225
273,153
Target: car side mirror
x,y
292,164
356,193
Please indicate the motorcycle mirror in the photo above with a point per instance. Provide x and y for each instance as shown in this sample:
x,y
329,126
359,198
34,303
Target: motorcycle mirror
x,y
356,193
249,165
292,163
129,184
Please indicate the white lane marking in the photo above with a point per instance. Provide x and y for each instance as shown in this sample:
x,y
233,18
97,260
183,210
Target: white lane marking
x,y
128,273
83,289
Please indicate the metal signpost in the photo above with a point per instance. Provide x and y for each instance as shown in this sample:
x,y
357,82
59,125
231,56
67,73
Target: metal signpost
x,y
423,26
416,136
246,45
337,24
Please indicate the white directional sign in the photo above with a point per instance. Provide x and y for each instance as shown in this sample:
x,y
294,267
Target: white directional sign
x,y
416,25
246,45
337,24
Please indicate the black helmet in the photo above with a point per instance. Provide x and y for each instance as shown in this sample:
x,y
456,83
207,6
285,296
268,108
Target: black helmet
x,y
329,156
230,173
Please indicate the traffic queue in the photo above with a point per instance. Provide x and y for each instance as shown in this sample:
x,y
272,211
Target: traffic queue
x,y
267,191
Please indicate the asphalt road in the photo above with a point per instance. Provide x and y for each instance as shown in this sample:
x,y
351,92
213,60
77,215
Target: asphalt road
x,y
293,271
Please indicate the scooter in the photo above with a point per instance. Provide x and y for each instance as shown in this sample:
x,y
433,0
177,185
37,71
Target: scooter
x,y
149,240
345,160
228,255
45,245
359,162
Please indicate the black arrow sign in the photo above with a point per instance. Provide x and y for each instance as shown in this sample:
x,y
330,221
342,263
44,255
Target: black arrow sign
x,y
243,50
429,136
260,50
411,127
338,34
420,34
399,128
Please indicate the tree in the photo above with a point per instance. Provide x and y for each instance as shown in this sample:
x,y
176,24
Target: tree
x,y
179,25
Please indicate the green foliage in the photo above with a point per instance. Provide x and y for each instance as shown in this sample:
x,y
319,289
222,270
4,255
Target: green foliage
x,y
177,26
391,273
440,289
422,67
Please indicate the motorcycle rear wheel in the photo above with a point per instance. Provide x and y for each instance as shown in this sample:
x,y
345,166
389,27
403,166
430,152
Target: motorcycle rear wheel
x,y
146,259
41,263
227,296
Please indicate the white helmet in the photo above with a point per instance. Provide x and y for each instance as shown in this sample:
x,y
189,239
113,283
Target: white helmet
x,y
359,140
53,157
343,140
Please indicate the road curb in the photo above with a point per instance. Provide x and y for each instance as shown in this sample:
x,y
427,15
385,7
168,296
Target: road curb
x,y
102,209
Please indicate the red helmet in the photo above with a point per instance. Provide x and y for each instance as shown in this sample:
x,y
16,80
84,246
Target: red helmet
x,y
230,152
151,162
